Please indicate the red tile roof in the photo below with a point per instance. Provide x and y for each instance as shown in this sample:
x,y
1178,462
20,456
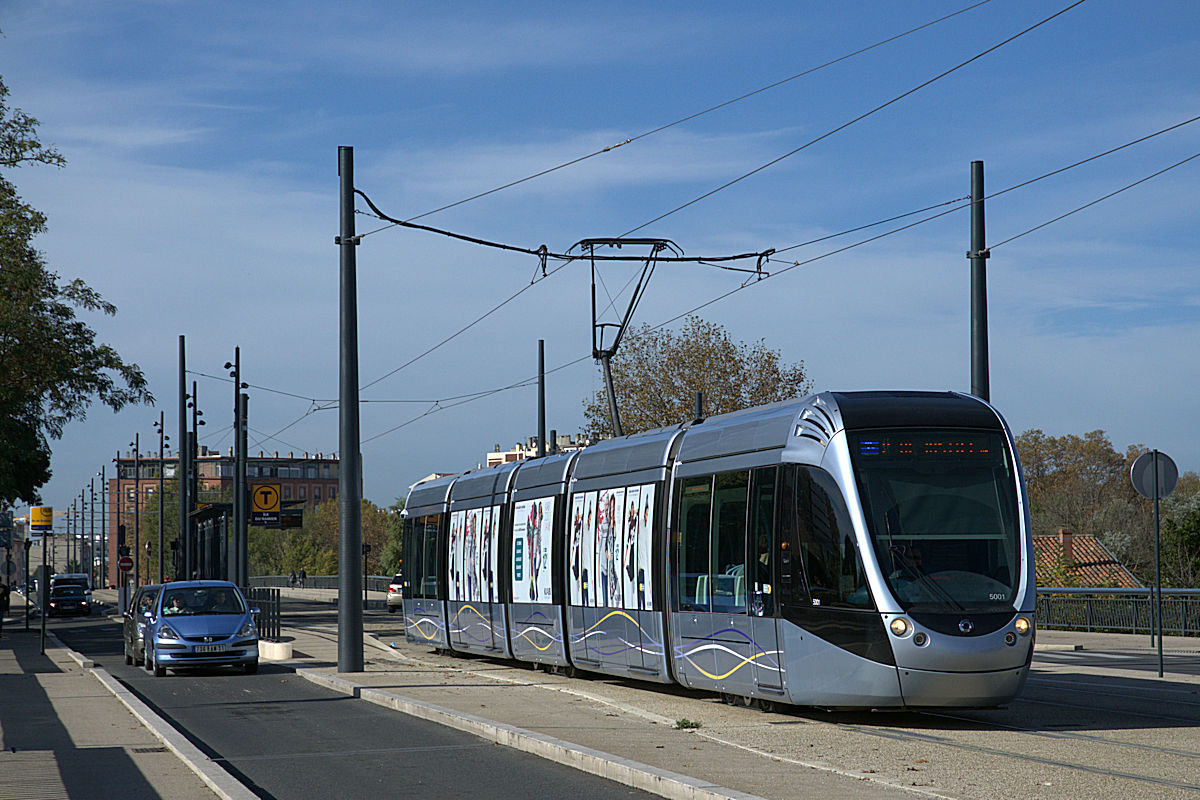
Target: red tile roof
x,y
1079,559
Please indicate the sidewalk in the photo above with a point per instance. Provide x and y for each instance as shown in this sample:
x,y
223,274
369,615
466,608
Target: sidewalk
x,y
65,735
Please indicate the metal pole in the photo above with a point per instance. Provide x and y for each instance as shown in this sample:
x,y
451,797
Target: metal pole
x,y
137,510
104,530
980,380
1157,571
243,543
541,397
43,590
239,488
612,395
92,532
162,468
194,538
699,405
181,443
350,632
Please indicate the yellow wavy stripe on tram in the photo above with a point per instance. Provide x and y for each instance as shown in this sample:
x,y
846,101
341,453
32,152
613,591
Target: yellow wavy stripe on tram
x,y
470,607
416,625
708,674
617,612
525,636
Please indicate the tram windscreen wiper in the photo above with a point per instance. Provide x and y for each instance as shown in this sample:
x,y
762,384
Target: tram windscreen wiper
x,y
897,553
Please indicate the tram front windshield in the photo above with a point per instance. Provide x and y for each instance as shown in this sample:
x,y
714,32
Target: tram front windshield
x,y
941,507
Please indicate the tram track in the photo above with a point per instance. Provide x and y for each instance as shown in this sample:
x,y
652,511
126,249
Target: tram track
x,y
1098,764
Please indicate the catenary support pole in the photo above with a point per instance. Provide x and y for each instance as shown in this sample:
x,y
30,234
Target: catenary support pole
x,y
182,444
541,397
350,620
1157,570
980,380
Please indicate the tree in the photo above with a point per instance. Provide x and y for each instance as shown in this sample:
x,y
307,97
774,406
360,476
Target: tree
x,y
51,367
657,373
315,546
393,552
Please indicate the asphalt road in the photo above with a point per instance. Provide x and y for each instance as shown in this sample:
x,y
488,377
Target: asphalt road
x,y
285,738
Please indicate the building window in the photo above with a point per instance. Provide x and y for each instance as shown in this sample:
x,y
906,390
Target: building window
x,y
303,492
332,491
317,494
287,492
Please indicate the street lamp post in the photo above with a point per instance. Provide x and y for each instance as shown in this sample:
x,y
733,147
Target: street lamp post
x,y
103,526
240,569
136,444
163,441
194,546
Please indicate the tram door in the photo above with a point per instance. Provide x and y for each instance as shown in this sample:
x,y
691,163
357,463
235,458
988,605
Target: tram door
x,y
762,543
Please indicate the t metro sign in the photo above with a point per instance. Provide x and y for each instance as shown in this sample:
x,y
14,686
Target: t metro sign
x,y
264,504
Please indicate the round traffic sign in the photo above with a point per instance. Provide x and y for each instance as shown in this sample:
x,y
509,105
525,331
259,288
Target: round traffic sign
x,y
125,564
1142,474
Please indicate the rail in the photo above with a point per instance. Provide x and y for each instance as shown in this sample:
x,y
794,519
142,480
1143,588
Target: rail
x,y
375,583
1118,610
269,619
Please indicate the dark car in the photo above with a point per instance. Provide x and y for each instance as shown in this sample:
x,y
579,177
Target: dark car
x,y
69,600
133,623
395,595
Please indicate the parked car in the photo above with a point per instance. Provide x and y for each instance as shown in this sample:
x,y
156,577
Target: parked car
x,y
133,623
69,599
200,624
395,595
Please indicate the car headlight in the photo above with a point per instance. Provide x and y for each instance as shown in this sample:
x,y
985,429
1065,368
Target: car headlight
x,y
167,632
900,626
1023,625
248,629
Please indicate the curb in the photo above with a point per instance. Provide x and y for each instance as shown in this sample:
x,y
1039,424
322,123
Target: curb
x,y
624,771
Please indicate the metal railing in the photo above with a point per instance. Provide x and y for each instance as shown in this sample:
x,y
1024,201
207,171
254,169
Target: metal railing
x,y
269,619
375,583
1118,610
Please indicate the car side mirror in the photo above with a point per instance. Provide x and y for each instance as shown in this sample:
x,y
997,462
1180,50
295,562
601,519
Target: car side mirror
x,y
256,611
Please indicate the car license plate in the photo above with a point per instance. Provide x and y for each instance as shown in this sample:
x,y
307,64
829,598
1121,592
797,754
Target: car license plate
x,y
210,648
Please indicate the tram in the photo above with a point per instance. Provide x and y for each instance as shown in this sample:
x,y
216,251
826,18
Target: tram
x,y
845,550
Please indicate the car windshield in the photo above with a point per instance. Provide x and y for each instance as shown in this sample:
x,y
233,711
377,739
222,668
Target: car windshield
x,y
67,591
202,600
941,506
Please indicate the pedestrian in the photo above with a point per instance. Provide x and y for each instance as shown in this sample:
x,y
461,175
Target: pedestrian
x,y
303,577
292,579
4,599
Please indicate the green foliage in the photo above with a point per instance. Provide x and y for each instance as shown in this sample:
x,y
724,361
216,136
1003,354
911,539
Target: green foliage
x,y
686,724
1082,483
391,560
314,547
51,367
656,374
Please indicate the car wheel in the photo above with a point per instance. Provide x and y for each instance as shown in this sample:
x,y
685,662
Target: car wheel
x,y
159,670
251,667
391,609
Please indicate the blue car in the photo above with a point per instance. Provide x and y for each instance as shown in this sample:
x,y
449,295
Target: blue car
x,y
200,624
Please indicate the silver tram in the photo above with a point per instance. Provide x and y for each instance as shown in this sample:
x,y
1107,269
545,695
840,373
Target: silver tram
x,y
850,549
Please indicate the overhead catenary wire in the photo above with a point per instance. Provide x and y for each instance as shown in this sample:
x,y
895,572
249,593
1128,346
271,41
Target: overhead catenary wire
x,y
442,406
688,118
853,121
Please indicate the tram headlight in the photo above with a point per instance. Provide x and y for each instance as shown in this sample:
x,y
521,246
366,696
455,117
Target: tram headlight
x,y
1023,625
900,626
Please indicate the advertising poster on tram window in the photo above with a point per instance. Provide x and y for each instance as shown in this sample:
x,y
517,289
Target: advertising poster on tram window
x,y
575,550
472,563
587,552
455,566
533,550
610,524
643,596
629,548
489,555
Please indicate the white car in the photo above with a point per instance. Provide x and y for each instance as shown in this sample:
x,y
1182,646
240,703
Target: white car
x,y
395,596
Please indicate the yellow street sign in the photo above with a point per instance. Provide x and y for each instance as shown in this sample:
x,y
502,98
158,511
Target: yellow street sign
x,y
41,519
264,498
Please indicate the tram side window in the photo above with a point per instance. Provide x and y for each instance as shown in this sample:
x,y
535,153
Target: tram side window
x,y
727,581
692,552
420,555
825,543
762,521
413,555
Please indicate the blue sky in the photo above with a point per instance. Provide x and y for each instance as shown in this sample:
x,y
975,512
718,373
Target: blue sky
x,y
201,198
